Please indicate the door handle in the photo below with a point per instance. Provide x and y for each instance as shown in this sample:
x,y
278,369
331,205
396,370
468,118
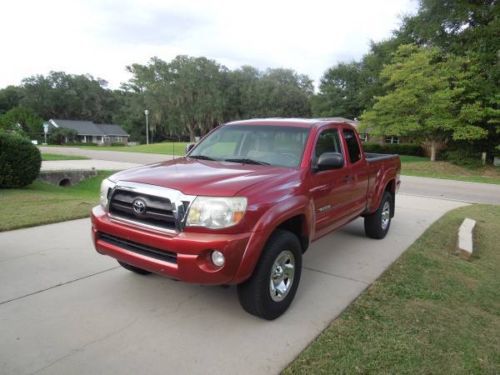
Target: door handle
x,y
347,179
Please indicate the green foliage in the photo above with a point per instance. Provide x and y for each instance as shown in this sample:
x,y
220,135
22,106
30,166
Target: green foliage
x,y
394,148
428,97
339,92
23,121
20,161
468,159
9,98
59,136
68,96
193,95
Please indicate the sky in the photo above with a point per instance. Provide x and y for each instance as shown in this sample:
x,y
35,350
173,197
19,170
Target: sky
x,y
102,37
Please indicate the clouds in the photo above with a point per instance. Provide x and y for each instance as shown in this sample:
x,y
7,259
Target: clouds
x,y
102,37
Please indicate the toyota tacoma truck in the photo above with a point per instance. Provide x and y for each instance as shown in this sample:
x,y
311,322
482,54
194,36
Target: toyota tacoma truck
x,y
244,205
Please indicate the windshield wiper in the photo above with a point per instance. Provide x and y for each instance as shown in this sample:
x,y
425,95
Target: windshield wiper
x,y
247,161
201,157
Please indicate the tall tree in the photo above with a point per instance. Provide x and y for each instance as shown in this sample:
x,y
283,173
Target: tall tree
x,y
62,95
339,92
10,97
428,97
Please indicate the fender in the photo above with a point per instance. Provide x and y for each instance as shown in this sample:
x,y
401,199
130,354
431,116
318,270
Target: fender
x,y
388,176
276,215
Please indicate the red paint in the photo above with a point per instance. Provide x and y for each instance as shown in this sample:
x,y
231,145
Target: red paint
x,y
274,195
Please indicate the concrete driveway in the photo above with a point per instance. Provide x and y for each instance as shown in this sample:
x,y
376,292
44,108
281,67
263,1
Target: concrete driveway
x,y
64,309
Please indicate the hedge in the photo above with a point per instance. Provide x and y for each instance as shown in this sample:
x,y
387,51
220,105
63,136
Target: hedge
x,y
394,148
20,161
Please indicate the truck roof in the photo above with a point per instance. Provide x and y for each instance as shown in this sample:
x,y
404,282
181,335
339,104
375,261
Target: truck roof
x,y
296,122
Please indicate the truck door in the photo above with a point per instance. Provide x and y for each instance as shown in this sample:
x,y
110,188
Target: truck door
x,y
329,191
355,173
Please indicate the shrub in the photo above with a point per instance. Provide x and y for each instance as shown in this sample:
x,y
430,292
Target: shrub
x,y
20,161
59,136
465,158
394,148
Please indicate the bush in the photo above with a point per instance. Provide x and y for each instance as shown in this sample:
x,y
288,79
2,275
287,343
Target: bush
x,y
59,136
20,161
464,157
394,148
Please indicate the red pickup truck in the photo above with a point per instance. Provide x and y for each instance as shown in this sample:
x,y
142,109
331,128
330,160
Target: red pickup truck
x,y
244,205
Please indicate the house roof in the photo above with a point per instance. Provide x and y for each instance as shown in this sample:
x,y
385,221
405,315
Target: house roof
x,y
112,129
89,127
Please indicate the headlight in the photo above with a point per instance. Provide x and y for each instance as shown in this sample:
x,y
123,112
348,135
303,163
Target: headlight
x,y
106,186
216,213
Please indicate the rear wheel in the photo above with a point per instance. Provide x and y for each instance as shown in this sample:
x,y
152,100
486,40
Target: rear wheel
x,y
272,287
377,224
139,271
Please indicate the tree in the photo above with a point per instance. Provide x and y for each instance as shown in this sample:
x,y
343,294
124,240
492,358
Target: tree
x,y
62,95
339,92
194,94
10,98
428,97
282,93
468,29
23,121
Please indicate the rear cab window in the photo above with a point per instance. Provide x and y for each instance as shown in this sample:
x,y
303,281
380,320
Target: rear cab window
x,y
353,149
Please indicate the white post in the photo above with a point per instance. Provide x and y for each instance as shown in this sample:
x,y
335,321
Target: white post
x,y
45,131
146,112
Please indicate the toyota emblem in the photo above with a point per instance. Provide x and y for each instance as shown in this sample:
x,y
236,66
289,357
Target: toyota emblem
x,y
139,206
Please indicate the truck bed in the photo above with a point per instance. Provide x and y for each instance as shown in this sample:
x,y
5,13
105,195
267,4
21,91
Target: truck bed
x,y
372,157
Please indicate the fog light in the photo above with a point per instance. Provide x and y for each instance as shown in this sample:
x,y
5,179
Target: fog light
x,y
218,258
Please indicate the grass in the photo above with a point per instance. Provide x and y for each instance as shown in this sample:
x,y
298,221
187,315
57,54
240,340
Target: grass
x,y
429,313
420,166
166,148
51,157
42,203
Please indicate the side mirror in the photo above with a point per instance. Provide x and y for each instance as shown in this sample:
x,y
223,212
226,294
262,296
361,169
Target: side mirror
x,y
330,160
189,147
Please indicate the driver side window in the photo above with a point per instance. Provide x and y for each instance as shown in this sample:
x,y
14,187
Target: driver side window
x,y
328,141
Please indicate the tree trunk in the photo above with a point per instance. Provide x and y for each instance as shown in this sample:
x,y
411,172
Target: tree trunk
x,y
191,133
433,150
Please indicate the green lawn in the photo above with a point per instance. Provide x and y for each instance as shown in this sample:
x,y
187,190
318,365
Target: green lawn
x,y
178,148
42,203
50,157
430,312
419,166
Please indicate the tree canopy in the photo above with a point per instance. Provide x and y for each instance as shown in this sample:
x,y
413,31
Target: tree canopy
x,y
427,98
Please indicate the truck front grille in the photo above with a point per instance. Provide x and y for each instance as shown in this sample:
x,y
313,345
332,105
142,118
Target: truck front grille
x,y
142,208
139,248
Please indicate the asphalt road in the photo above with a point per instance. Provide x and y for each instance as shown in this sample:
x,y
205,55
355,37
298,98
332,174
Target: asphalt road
x,y
64,309
127,157
471,192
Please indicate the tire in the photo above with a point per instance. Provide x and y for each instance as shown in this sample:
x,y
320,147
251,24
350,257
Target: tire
x,y
377,224
139,271
268,297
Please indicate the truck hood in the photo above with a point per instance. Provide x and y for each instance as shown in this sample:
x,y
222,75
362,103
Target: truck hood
x,y
200,177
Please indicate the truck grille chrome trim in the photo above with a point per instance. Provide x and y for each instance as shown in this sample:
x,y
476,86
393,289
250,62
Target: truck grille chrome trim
x,y
151,207
148,251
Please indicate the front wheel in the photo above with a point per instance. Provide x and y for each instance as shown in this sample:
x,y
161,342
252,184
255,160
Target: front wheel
x,y
271,289
377,224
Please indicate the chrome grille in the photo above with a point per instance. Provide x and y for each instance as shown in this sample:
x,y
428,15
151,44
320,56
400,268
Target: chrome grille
x,y
158,211
148,205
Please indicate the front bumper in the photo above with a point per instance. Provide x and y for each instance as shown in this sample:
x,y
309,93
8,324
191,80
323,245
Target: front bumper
x,y
188,254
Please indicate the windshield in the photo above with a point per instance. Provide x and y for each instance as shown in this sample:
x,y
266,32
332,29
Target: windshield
x,y
253,144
